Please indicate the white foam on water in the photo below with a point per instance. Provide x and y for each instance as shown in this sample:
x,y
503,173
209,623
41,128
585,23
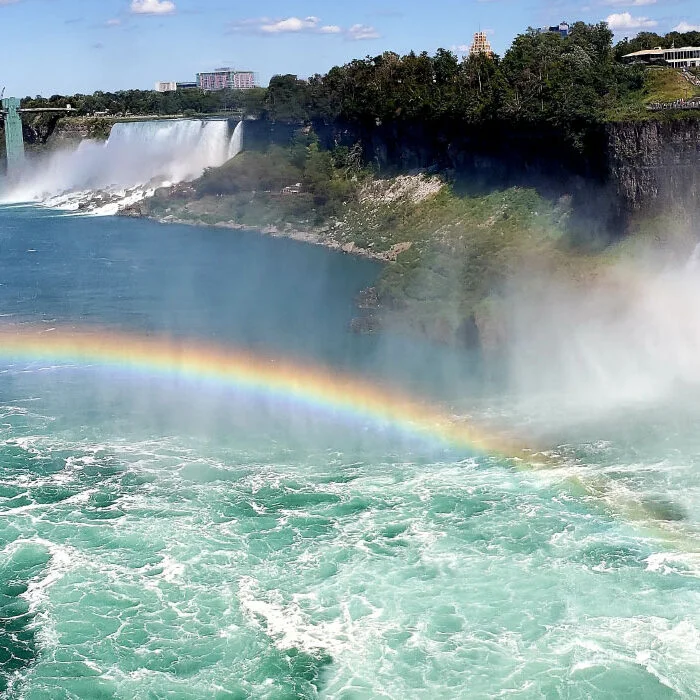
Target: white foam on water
x,y
172,569
678,563
409,597
289,627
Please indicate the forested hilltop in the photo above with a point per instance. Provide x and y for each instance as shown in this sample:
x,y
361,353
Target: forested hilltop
x,y
570,84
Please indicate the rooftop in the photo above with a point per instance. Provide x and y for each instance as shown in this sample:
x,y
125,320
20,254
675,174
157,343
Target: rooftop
x,y
645,52
658,51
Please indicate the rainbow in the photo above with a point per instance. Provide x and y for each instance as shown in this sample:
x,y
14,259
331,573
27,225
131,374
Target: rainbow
x,y
321,389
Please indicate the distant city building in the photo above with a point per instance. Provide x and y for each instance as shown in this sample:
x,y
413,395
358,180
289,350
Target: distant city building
x,y
186,86
480,45
562,29
166,86
683,57
226,79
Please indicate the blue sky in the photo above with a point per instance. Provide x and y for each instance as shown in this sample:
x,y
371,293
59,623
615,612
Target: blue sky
x,y
67,46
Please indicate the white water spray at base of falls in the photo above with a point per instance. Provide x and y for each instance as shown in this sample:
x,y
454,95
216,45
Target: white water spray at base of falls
x,y
137,158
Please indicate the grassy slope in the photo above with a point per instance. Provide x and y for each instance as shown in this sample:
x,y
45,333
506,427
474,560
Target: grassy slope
x,y
660,85
464,247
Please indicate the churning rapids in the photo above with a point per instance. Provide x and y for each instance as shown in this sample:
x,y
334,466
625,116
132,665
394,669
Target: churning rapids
x,y
162,537
138,157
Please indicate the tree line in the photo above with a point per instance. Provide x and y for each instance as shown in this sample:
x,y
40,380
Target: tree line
x,y
188,101
568,84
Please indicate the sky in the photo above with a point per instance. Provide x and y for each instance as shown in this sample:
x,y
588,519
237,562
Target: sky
x,y
71,46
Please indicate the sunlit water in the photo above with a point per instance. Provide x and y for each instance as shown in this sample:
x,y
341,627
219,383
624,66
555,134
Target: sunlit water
x,y
160,540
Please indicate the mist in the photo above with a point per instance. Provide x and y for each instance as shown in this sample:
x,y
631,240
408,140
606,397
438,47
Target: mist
x,y
626,335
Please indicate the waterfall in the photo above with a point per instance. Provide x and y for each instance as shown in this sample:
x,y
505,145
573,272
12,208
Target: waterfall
x,y
236,145
146,154
694,260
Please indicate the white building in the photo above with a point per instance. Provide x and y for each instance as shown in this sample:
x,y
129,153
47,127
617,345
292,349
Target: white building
x,y
683,57
169,86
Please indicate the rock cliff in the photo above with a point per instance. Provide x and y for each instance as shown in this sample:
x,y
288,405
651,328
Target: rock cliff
x,y
655,164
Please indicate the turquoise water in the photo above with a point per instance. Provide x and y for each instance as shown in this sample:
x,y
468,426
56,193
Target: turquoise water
x,y
163,540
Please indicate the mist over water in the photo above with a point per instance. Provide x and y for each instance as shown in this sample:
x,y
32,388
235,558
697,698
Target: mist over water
x,y
137,155
628,336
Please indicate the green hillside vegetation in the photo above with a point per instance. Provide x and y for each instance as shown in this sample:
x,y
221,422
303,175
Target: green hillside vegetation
x,y
464,248
660,85
667,85
250,189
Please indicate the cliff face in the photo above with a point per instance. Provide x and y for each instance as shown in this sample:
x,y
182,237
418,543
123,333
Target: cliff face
x,y
499,150
655,164
642,166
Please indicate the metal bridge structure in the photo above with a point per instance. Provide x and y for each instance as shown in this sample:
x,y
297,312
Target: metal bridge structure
x,y
14,140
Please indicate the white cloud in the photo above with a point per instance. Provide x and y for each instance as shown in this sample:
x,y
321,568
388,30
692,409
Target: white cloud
x,y
360,32
291,24
302,25
113,22
152,7
624,21
629,3
686,27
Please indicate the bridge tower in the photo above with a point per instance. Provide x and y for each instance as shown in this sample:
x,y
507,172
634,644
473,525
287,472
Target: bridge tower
x,y
14,141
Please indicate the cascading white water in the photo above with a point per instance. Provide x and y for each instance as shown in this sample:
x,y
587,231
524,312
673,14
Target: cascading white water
x,y
236,145
137,158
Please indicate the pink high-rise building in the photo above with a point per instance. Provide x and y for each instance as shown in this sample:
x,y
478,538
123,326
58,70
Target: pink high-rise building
x,y
226,79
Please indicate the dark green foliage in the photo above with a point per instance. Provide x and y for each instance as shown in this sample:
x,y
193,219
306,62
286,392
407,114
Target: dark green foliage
x,y
566,87
287,99
251,171
322,182
144,102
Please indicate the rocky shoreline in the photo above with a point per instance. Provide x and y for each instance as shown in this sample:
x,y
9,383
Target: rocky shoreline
x,y
320,237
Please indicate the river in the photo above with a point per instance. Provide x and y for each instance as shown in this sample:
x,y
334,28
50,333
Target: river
x,y
165,537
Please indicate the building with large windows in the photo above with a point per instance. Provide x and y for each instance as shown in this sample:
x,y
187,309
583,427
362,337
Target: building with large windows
x,y
166,86
226,79
683,57
171,86
480,45
562,29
